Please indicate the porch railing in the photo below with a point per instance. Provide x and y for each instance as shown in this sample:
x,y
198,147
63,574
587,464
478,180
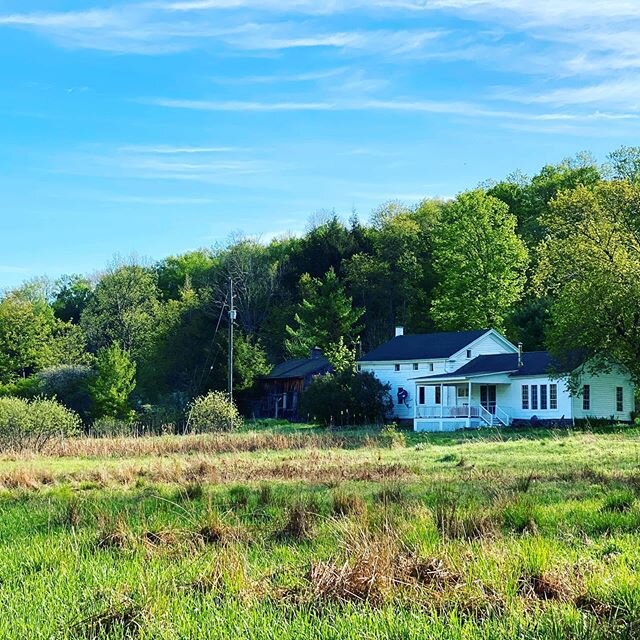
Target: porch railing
x,y
438,411
497,415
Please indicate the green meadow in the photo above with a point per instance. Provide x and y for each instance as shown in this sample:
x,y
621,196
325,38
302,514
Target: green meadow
x,y
294,532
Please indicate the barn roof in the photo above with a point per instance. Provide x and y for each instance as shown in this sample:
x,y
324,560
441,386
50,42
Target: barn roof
x,y
298,368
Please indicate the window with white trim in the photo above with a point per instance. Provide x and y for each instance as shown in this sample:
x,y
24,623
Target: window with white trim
x,y
421,395
415,366
438,395
525,396
553,396
543,397
534,397
396,367
463,392
586,397
619,399
468,353
431,366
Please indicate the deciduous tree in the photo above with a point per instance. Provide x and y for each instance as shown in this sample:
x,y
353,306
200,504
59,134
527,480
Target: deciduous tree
x,y
480,262
590,265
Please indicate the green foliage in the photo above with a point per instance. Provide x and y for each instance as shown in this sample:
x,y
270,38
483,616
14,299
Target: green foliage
x,y
346,398
391,437
72,294
325,316
21,387
625,163
33,424
480,262
213,412
122,309
529,198
114,383
193,269
393,279
343,287
342,357
69,385
590,267
32,338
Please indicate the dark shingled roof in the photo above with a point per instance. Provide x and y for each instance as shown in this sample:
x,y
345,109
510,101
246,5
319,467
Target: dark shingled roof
x,y
533,363
298,368
424,346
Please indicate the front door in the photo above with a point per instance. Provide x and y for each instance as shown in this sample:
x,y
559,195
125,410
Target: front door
x,y
488,397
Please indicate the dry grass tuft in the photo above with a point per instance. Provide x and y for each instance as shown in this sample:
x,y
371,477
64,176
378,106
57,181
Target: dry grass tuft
x,y
124,617
214,530
114,534
547,586
228,576
212,443
375,569
392,493
26,478
71,516
344,503
454,524
301,518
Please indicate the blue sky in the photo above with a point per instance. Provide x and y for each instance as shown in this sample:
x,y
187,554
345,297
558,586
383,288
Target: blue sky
x,y
152,128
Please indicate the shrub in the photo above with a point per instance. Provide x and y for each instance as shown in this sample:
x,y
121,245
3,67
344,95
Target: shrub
x,y
69,384
33,424
213,412
114,383
392,438
346,398
106,427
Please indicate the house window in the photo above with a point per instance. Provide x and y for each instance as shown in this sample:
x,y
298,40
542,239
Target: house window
x,y
396,367
463,392
586,397
543,397
438,395
468,353
415,366
358,367
534,397
421,395
553,396
525,396
619,399
431,366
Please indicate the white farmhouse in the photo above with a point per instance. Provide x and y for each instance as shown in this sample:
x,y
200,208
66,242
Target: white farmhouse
x,y
454,380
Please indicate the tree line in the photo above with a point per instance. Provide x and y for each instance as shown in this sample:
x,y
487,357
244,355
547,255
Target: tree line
x,y
552,260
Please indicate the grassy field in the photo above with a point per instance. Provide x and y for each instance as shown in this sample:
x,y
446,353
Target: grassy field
x,y
292,532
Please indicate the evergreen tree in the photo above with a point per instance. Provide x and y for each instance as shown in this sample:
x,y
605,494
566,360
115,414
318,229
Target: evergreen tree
x,y
324,317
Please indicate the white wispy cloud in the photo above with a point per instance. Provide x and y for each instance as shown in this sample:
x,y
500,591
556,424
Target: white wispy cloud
x,y
401,105
175,150
158,200
623,92
311,76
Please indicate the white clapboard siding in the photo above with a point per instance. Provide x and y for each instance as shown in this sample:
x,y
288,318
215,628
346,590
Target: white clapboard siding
x,y
603,397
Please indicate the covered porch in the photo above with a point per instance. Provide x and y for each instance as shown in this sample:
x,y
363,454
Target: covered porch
x,y
445,404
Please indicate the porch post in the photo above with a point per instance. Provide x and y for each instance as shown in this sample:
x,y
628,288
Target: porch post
x,y
469,400
441,400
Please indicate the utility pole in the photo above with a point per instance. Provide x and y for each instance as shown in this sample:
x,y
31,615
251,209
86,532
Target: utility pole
x,y
232,317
